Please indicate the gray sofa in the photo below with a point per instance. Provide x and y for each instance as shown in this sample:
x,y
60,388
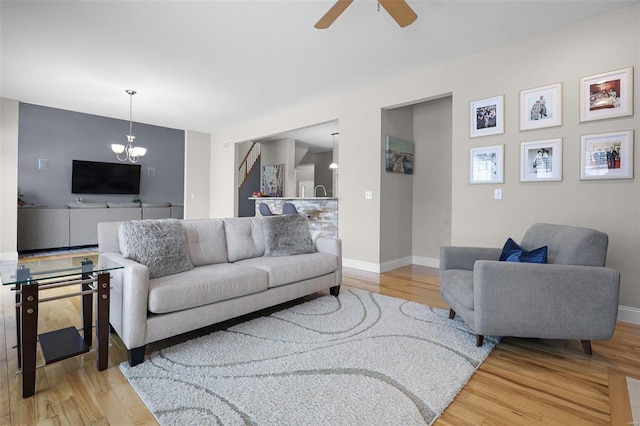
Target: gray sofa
x,y
572,296
45,227
231,276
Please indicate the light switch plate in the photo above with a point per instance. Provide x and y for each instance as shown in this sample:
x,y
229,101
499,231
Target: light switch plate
x,y
497,194
368,195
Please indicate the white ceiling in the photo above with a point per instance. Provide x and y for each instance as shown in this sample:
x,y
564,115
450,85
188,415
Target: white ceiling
x,y
205,65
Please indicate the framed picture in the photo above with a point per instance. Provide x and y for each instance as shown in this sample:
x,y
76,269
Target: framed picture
x,y
487,164
607,156
487,116
541,160
273,180
606,95
541,107
399,155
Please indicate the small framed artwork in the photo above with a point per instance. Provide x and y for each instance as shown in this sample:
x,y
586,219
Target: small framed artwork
x,y
541,107
487,116
541,160
487,164
273,180
606,95
607,156
399,156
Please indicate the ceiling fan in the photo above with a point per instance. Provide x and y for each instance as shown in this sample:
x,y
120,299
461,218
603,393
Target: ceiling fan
x,y
398,9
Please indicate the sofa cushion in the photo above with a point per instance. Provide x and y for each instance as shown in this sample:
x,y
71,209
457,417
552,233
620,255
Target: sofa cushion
x,y
288,269
286,235
206,242
458,285
158,244
204,285
244,238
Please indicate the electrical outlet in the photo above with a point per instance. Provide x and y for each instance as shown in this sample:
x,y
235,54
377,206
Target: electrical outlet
x,y
368,195
497,194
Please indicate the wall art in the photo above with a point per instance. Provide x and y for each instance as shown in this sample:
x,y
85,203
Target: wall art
x,y
487,116
607,156
541,107
606,95
486,164
541,160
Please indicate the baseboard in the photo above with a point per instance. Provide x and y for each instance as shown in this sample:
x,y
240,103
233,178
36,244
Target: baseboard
x,y
9,257
361,265
390,265
395,264
629,314
425,261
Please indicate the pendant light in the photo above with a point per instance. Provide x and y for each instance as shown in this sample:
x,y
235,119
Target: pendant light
x,y
333,164
132,153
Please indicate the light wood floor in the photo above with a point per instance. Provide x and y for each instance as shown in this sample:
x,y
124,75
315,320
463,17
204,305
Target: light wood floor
x,y
524,381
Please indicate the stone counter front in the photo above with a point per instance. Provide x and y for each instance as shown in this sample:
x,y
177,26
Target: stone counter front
x,y
322,212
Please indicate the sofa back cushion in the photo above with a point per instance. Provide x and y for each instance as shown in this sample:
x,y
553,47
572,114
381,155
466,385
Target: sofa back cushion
x,y
158,244
568,245
244,238
206,241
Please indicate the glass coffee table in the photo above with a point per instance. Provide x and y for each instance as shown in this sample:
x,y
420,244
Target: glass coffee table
x,y
30,281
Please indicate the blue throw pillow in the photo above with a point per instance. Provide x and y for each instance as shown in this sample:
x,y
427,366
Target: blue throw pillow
x,y
513,252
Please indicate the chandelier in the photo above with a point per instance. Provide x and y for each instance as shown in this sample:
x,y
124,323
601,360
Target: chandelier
x,y
132,153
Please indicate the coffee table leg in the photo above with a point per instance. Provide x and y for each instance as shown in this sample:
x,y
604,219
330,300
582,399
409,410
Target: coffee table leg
x,y
29,337
102,328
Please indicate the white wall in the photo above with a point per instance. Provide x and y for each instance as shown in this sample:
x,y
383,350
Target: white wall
x,y
8,179
197,182
396,201
432,174
606,43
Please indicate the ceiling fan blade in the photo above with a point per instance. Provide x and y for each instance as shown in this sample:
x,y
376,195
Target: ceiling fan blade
x,y
332,14
399,11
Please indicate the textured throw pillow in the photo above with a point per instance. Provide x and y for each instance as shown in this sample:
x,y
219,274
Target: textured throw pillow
x,y
286,235
513,252
158,244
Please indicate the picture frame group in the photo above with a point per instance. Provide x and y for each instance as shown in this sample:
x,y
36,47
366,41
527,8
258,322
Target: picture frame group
x,y
602,156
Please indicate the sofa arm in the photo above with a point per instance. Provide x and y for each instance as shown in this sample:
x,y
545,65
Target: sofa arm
x,y
452,257
545,300
129,297
331,246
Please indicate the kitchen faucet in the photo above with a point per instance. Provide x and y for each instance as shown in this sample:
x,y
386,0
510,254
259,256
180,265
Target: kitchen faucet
x,y
315,190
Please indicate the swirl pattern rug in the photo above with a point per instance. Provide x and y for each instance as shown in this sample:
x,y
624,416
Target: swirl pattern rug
x,y
361,358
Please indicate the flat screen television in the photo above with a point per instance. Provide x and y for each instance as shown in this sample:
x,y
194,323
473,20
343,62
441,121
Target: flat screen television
x,y
92,177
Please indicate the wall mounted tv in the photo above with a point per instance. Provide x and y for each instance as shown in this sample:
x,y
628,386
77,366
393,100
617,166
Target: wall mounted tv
x,y
92,177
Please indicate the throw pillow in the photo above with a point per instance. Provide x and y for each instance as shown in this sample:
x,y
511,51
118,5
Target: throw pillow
x,y
158,244
513,252
286,235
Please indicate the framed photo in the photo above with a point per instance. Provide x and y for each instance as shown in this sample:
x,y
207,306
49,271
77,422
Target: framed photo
x,y
487,164
541,161
607,156
487,116
541,107
606,95
399,156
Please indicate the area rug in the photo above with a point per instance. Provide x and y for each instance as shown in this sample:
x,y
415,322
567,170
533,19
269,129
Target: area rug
x,y
362,358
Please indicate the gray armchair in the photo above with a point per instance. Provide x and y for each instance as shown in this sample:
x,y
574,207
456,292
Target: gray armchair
x,y
572,296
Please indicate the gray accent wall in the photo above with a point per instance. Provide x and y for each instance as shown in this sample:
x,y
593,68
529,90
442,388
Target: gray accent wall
x,y
61,136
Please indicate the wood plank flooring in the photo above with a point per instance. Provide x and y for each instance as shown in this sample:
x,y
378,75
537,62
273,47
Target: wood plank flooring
x,y
524,381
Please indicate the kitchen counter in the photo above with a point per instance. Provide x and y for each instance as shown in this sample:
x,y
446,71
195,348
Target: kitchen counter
x,y
322,211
